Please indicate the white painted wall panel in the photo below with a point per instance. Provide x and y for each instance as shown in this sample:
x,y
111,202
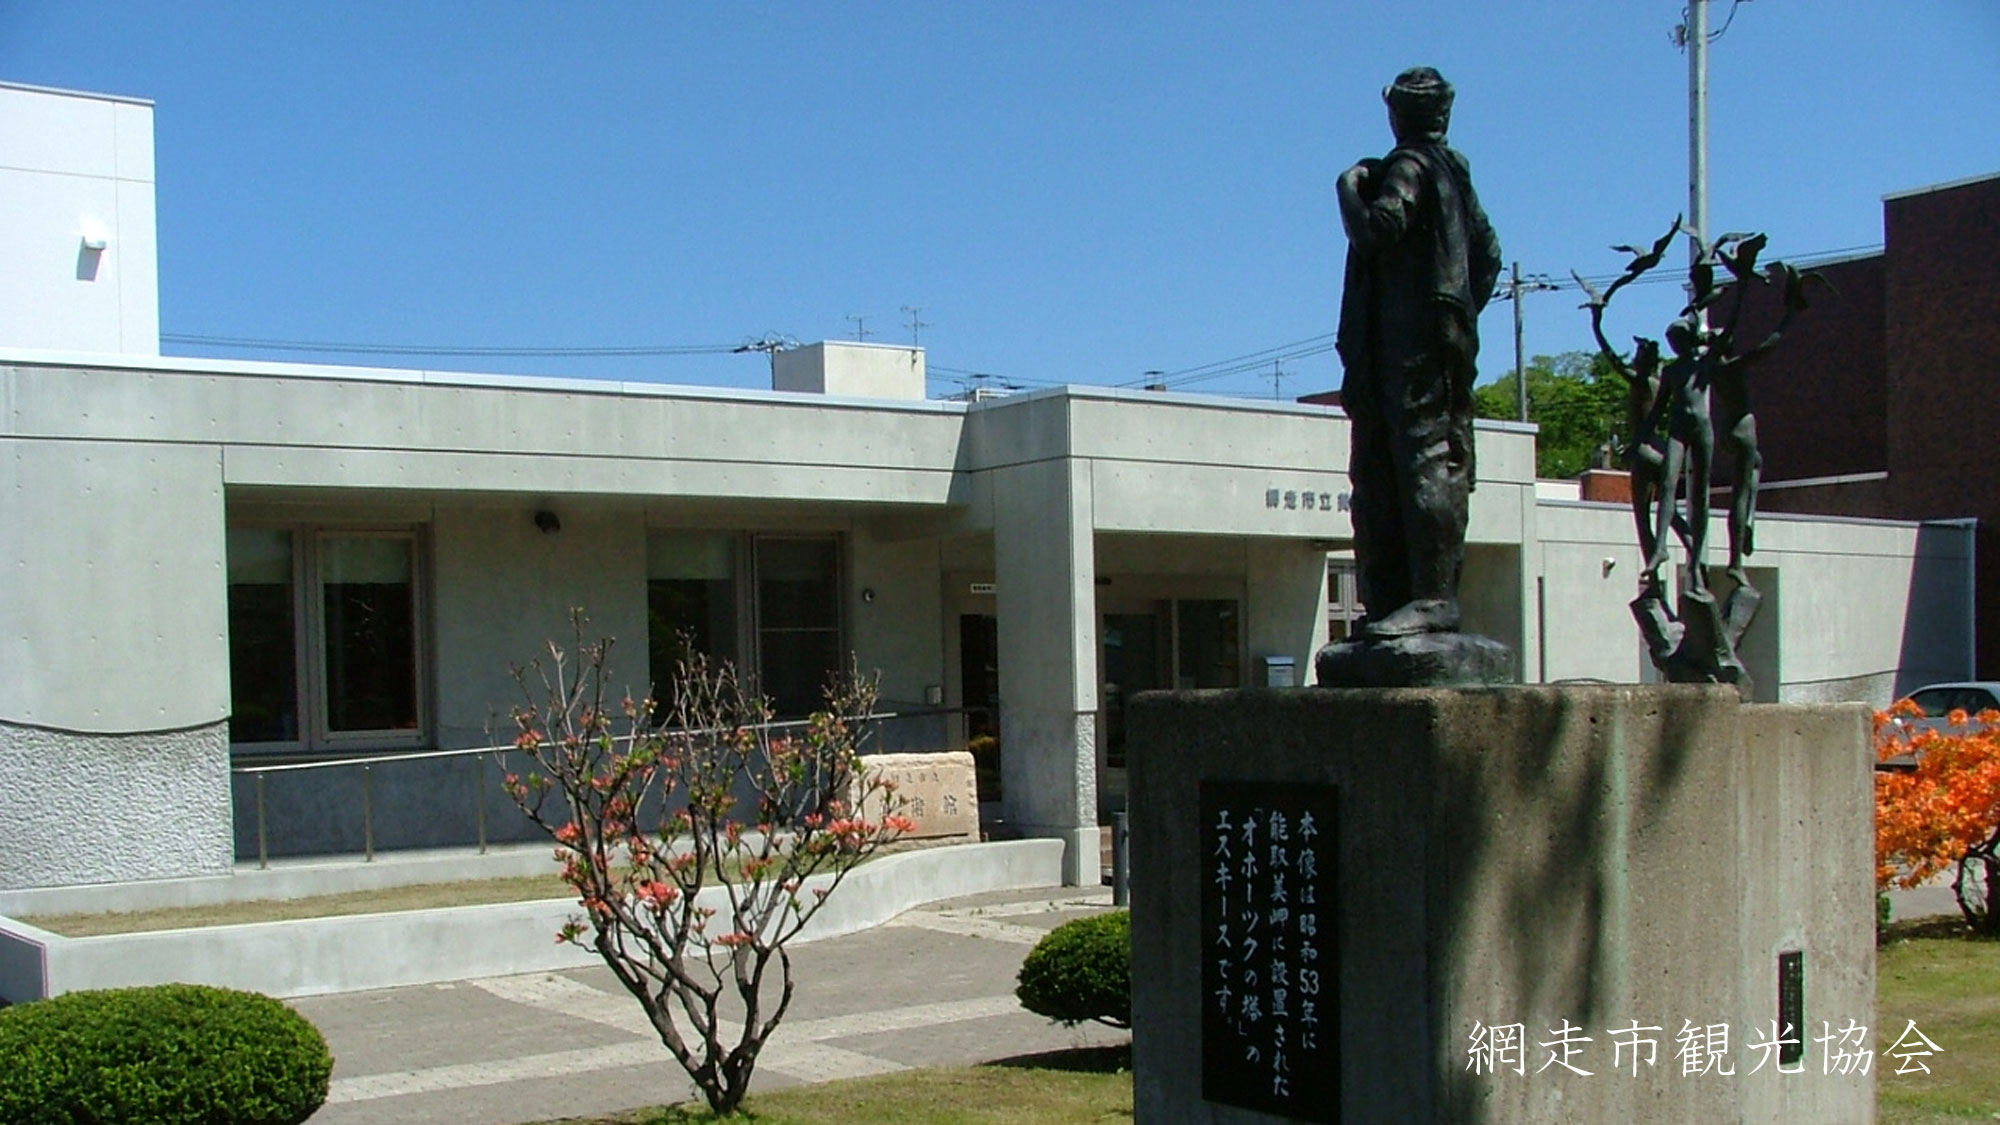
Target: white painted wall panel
x,y
56,131
130,263
132,123
65,159
44,303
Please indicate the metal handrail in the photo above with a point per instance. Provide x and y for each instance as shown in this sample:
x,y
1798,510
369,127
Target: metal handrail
x,y
367,762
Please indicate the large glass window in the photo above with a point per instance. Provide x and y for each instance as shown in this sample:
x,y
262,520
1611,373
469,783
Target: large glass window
x,y
325,643
263,645
784,636
368,605
690,601
798,621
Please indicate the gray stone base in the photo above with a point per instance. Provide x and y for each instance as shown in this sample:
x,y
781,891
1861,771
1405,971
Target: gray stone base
x,y
1602,856
106,808
1421,660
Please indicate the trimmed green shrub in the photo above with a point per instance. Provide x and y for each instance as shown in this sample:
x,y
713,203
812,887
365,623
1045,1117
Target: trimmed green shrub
x,y
1081,971
162,1055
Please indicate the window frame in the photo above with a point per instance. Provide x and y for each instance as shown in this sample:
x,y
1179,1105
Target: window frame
x,y
310,676
748,612
757,626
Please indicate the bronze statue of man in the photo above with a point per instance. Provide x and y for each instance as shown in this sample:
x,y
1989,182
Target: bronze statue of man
x,y
1422,261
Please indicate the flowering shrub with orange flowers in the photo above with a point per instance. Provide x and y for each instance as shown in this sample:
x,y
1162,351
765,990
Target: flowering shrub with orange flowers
x,y
1943,814
699,846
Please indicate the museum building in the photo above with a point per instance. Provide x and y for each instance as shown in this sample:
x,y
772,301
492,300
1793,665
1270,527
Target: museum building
x,y
218,573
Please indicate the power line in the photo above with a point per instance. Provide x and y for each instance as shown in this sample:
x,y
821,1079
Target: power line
x,y
1259,361
252,343
1256,361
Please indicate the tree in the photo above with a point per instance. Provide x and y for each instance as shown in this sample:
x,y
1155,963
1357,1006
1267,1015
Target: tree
x,y
1576,398
690,908
1943,814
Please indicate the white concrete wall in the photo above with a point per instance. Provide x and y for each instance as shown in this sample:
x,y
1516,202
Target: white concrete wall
x,y
72,163
503,589
114,473
313,956
857,370
900,634
1285,608
1489,596
112,612
285,425
1047,599
1864,610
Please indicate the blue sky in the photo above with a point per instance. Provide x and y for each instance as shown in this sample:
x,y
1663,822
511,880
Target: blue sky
x,y
1070,192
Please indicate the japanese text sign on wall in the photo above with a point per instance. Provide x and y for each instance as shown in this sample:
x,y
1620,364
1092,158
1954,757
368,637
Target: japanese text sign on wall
x,y
1270,1025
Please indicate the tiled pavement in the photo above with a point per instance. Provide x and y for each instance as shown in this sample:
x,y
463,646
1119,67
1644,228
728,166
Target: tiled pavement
x,y
933,987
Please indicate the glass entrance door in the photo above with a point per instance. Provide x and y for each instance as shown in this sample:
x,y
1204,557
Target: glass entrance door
x,y
1135,660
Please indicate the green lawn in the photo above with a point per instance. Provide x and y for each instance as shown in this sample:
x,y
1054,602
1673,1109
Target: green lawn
x,y
417,896
1929,971
1091,1084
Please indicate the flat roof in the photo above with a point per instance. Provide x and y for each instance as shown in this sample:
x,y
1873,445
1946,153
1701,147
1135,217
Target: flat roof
x,y
91,95
583,384
1945,186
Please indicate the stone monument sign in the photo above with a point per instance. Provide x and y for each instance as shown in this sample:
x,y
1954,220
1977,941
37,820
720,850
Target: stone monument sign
x,y
938,792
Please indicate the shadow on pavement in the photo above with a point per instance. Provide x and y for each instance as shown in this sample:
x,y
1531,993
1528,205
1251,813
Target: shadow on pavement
x,y
1111,1059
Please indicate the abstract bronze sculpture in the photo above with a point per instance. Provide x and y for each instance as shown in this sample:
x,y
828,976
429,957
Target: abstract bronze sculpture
x,y
1422,261
1676,409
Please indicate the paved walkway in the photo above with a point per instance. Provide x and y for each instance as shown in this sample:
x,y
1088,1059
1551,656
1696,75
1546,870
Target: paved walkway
x,y
933,987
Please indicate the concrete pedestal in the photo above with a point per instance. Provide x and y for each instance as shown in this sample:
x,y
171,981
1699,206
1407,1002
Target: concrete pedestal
x,y
1634,862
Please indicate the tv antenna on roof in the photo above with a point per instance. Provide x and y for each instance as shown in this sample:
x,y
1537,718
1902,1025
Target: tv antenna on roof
x,y
861,332
916,326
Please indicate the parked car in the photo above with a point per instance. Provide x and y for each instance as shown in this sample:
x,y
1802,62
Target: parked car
x,y
1939,700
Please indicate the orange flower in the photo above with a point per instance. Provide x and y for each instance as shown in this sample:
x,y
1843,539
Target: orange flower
x,y
1928,817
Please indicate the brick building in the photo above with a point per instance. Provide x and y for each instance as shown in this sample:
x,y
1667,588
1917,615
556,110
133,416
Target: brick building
x,y
1877,403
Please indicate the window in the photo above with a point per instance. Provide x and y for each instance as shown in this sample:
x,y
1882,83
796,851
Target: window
x,y
785,635
1343,599
690,602
1207,644
324,638
798,622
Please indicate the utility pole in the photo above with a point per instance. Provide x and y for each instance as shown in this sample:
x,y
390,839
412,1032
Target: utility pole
x,y
1520,370
1516,287
770,345
1696,32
